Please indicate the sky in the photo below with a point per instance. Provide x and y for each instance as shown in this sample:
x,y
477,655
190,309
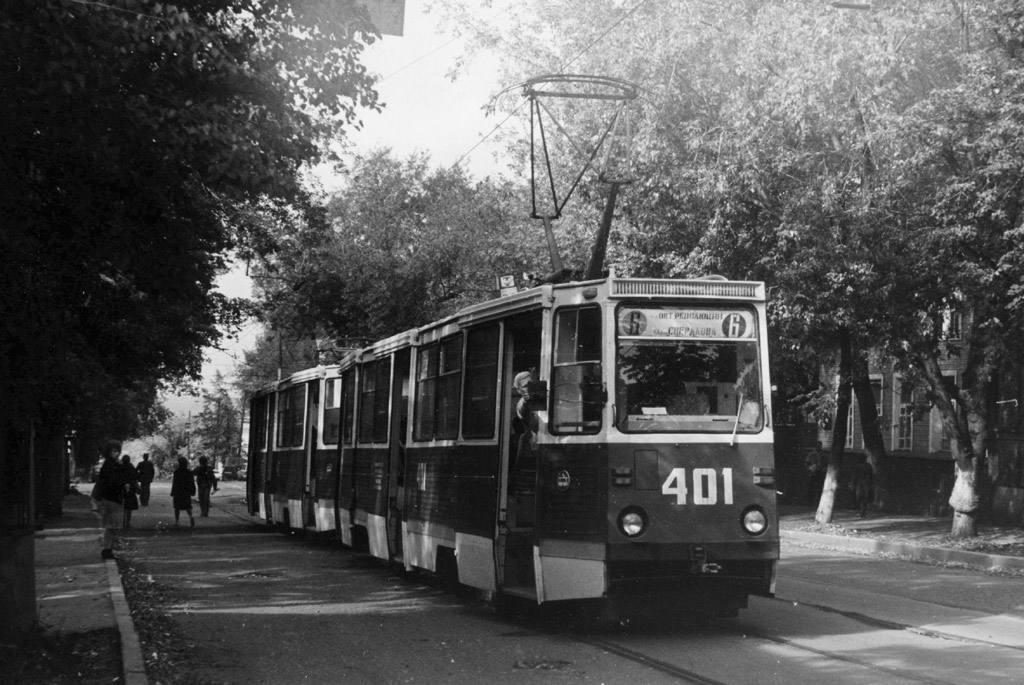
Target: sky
x,y
425,111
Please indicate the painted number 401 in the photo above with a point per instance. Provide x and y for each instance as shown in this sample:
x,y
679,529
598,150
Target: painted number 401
x,y
704,486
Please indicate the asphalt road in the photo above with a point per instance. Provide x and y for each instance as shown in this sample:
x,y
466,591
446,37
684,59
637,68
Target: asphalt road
x,y
265,607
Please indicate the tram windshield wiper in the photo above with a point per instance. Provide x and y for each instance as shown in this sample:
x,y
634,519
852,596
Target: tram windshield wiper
x,y
736,425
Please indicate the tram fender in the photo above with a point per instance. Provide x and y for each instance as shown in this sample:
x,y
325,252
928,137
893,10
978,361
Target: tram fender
x,y
571,571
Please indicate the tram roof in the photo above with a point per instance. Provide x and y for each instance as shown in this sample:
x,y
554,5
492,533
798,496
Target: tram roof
x,y
711,287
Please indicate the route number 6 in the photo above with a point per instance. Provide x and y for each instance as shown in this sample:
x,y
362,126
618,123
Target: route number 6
x,y
704,483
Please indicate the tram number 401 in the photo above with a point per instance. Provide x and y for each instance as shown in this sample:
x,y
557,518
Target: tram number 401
x,y
704,484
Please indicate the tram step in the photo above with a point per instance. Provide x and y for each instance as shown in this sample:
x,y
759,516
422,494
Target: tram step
x,y
524,591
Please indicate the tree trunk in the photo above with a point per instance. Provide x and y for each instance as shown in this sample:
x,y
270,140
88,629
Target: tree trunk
x,y
964,500
17,539
826,505
871,428
956,422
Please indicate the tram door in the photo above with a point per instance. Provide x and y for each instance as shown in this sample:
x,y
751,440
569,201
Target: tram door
x,y
268,457
312,445
518,487
396,455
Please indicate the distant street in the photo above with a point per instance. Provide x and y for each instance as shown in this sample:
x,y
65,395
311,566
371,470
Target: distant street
x,y
266,607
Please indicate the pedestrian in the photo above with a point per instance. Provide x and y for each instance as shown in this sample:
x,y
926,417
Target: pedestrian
x,y
183,487
206,480
146,474
863,479
131,489
108,497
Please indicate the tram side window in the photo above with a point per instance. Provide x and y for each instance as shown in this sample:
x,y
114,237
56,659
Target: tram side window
x,y
291,415
348,392
332,410
481,383
259,418
577,388
374,401
438,381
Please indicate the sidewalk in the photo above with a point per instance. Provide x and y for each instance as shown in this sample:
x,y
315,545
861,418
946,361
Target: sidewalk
x,y
77,591
920,538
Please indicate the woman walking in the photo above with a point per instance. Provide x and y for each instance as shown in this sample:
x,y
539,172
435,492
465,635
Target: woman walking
x,y
183,487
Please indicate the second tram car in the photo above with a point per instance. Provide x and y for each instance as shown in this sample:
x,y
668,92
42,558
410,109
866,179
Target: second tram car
x,y
607,440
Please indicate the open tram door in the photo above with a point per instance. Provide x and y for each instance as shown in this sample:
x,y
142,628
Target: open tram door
x,y
517,490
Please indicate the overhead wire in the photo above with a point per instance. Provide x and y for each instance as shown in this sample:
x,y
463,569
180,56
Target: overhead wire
x,y
563,67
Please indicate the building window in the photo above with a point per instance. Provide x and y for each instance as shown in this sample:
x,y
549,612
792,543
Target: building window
x,y
849,420
952,324
876,391
903,410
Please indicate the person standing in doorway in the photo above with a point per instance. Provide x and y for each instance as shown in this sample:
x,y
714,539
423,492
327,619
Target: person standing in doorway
x,y
108,497
206,480
146,474
183,487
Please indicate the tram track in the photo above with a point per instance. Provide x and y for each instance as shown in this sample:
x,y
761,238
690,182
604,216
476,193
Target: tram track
x,y
693,676
744,633
686,674
846,659
893,625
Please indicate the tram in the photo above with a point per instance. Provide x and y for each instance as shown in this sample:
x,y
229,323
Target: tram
x,y
605,440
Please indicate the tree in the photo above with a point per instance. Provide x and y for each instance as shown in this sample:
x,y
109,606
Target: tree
x,y
955,189
136,133
861,162
218,425
169,443
401,245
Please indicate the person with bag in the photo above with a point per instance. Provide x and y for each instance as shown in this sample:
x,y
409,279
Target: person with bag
x,y
183,487
108,497
206,480
131,489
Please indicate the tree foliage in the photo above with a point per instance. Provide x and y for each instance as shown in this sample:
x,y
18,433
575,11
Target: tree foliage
x,y
139,140
217,427
275,356
402,244
866,164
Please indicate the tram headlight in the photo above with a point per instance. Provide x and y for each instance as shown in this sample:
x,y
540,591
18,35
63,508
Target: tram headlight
x,y
755,521
632,522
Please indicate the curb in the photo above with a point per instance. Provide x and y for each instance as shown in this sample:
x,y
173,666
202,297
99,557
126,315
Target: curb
x,y
988,562
132,663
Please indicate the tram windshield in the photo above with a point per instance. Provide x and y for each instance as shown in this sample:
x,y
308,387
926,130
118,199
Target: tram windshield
x,y
688,369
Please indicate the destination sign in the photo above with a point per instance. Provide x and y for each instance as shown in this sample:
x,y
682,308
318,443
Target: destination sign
x,y
734,324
